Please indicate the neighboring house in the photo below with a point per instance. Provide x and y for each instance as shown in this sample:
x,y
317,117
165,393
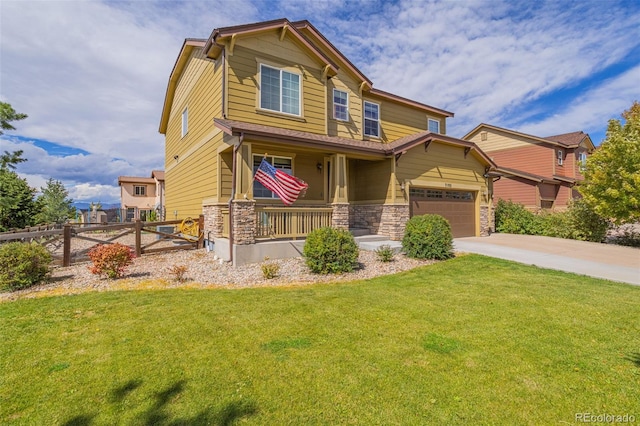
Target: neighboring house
x,y
540,173
280,90
139,196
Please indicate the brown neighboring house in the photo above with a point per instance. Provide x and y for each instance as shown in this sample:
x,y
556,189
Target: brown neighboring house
x,y
139,196
539,172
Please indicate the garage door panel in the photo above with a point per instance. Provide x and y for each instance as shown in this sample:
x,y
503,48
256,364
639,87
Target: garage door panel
x,y
458,207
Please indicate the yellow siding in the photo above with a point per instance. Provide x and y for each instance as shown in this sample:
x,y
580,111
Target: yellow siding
x,y
497,141
353,127
243,83
442,164
193,177
370,180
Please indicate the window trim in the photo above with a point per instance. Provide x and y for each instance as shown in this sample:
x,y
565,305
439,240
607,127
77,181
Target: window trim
x,y
364,119
273,195
429,121
346,106
280,71
560,157
582,160
185,121
142,193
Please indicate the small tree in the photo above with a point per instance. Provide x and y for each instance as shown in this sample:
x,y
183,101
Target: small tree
x,y
53,204
612,174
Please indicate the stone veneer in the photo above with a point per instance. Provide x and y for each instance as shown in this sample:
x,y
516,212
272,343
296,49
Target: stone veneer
x,y
383,219
340,216
213,220
244,222
487,221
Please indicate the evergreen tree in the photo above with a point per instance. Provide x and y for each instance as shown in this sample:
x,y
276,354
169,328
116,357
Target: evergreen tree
x,y
17,205
53,204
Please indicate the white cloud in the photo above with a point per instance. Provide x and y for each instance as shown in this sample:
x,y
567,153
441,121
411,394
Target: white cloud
x,y
104,194
93,75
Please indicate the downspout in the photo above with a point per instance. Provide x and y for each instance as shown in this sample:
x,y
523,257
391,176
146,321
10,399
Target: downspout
x,y
233,194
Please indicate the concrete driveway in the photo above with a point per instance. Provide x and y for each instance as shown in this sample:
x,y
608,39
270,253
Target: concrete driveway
x,y
611,262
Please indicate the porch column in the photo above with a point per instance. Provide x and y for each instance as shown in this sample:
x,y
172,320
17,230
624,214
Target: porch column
x,y
244,222
340,205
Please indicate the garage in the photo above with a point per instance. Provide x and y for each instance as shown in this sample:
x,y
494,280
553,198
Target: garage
x,y
458,207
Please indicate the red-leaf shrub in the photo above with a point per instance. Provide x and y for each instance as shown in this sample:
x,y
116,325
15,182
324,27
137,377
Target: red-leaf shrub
x,y
111,259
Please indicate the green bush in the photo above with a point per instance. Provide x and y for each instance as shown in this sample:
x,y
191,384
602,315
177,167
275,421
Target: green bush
x,y
385,253
329,250
586,224
110,259
514,218
428,237
269,269
23,265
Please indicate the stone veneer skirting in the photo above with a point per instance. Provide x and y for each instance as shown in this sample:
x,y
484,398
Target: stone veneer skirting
x,y
213,225
383,219
487,221
340,216
244,222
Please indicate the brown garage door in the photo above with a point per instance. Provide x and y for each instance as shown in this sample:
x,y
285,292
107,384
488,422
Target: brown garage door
x,y
458,207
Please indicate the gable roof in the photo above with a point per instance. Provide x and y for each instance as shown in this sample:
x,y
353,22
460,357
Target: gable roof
x,y
573,139
566,140
315,140
304,33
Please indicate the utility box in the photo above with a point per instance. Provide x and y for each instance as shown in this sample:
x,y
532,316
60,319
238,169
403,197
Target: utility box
x,y
166,229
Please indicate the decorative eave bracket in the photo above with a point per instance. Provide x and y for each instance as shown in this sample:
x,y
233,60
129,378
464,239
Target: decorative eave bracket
x,y
466,151
426,145
232,44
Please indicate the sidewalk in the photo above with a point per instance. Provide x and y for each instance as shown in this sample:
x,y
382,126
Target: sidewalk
x,y
611,262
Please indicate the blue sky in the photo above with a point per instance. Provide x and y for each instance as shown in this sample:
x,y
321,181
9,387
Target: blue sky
x,y
92,75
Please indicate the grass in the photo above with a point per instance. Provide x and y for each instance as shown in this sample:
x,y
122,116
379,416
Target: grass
x,y
472,340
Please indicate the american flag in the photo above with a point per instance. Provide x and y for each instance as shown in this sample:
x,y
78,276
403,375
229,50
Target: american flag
x,y
285,186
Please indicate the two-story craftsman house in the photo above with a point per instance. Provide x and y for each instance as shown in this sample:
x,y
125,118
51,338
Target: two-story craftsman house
x,y
539,172
280,91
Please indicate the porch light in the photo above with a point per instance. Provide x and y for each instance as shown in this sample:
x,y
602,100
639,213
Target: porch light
x,y
319,166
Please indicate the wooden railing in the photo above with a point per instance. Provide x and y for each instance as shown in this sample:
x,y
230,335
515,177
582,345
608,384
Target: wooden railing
x,y
290,222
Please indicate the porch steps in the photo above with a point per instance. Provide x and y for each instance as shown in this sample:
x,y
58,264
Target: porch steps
x,y
358,232
373,242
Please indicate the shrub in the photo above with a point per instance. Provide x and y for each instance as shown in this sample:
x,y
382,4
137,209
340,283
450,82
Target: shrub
x,y
178,272
627,236
110,259
586,224
23,265
514,218
269,269
428,237
329,250
385,253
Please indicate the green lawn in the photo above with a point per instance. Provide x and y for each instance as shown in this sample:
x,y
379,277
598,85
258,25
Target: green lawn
x,y
472,340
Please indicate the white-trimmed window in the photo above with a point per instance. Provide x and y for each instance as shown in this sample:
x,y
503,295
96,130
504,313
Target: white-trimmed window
x,y
371,119
185,121
139,190
560,155
279,90
340,105
282,163
582,160
433,125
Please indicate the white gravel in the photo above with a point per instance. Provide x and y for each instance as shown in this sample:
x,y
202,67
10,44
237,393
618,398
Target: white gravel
x,y
204,270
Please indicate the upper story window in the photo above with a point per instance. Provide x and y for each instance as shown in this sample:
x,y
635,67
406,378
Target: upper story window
x,y
279,90
560,155
582,159
371,119
434,126
340,105
185,122
282,163
139,190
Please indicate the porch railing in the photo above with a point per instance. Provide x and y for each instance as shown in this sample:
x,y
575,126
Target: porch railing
x,y
290,222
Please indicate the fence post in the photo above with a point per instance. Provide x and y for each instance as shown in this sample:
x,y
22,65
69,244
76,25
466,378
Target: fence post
x,y
200,231
138,238
66,245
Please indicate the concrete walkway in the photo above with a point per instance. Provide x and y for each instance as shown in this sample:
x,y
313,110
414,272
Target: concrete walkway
x,y
611,262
